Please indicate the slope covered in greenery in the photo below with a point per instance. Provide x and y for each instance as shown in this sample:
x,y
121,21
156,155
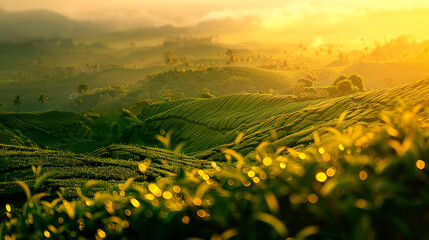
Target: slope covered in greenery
x,y
206,125
339,188
59,89
225,80
107,165
51,129
30,24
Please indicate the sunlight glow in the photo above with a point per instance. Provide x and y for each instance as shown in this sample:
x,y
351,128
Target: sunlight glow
x,y
420,164
363,175
267,161
311,21
321,177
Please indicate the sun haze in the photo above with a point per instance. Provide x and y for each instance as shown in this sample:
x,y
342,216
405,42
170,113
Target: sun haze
x,y
214,119
311,21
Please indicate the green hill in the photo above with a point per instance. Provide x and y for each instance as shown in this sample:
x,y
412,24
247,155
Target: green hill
x,y
188,83
108,166
339,188
152,84
220,81
225,80
202,123
51,129
59,89
206,125
23,25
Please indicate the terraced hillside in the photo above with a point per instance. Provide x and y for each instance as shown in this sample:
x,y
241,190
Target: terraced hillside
x,y
227,80
202,123
207,125
109,166
182,84
50,129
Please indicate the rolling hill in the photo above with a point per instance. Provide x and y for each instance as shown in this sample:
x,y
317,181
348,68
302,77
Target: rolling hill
x,y
225,80
108,166
188,83
51,129
24,25
59,89
207,125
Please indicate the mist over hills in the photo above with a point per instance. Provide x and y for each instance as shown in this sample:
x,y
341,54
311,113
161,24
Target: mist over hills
x,y
25,25
224,120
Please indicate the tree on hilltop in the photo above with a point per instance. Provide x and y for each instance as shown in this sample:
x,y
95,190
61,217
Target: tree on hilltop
x,y
205,93
357,81
186,61
307,81
169,95
229,55
42,99
339,79
18,101
170,58
82,88
303,82
345,87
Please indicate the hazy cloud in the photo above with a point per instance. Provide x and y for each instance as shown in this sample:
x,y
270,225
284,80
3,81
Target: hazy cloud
x,y
132,13
310,21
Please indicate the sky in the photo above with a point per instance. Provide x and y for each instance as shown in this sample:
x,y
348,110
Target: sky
x,y
191,12
271,18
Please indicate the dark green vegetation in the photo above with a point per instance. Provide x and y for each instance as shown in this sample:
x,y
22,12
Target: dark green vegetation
x,y
264,142
65,130
355,183
208,125
108,165
38,24
188,83
199,128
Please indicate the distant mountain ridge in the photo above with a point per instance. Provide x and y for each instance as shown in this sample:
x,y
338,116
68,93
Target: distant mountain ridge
x,y
24,25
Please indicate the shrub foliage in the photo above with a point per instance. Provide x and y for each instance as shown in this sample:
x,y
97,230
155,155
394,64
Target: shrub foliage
x,y
354,183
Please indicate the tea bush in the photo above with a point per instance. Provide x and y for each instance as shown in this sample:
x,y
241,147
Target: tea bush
x,y
354,183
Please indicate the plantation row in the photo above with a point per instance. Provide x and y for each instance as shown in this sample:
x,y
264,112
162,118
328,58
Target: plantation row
x,y
52,129
68,170
352,183
212,122
207,125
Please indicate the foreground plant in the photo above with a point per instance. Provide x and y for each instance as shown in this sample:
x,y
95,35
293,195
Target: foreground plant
x,y
356,183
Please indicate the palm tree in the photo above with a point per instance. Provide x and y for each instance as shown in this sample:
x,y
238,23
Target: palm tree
x,y
18,101
42,98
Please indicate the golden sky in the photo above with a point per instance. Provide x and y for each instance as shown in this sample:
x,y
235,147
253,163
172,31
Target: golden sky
x,y
185,12
318,20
